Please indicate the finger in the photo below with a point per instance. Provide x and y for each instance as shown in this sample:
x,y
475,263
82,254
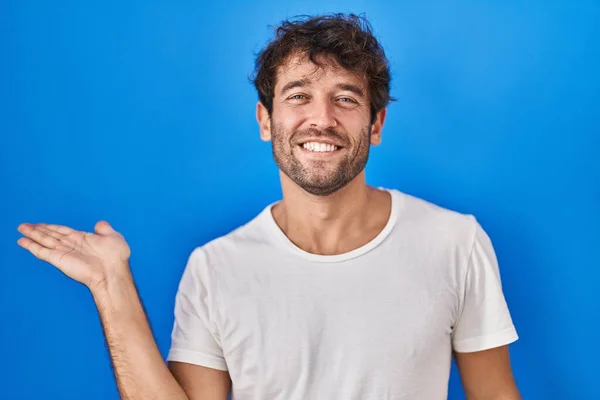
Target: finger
x,y
104,228
56,235
64,230
36,249
33,233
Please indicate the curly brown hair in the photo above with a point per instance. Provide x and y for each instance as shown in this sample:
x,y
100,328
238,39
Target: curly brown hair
x,y
345,39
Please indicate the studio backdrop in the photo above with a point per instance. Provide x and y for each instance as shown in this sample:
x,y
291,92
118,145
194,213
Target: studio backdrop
x,y
142,114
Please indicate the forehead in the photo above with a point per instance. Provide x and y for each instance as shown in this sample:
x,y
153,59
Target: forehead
x,y
328,72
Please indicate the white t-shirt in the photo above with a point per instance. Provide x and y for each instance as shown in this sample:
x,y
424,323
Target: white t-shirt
x,y
379,322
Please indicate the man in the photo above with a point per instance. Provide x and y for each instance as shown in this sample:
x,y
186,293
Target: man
x,y
338,291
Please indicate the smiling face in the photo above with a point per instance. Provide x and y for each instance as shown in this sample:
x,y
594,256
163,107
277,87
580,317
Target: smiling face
x,y
320,125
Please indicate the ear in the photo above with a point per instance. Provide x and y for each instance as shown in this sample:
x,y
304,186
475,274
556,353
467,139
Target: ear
x,y
264,121
377,127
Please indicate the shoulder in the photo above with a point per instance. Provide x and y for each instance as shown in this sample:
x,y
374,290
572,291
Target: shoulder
x,y
241,244
427,219
448,240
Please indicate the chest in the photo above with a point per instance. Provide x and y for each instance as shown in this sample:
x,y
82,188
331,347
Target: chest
x,y
305,324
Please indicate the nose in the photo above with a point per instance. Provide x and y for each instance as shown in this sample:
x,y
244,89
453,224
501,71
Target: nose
x,y
322,115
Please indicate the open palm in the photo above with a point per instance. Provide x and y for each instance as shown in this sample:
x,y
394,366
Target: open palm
x,y
83,256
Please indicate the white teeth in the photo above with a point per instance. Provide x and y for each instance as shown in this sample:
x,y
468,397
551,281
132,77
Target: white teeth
x,y
319,147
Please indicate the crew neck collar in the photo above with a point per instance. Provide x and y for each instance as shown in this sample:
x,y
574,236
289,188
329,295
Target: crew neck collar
x,y
282,239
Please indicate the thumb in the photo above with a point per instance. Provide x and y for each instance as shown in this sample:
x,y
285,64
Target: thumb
x,y
103,228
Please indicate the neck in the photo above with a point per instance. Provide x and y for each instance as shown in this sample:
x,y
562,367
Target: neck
x,y
333,224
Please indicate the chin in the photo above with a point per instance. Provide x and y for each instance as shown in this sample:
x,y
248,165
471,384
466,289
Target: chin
x,y
322,191
321,187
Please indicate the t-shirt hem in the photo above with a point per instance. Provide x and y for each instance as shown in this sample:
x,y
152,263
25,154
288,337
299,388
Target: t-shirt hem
x,y
193,357
486,342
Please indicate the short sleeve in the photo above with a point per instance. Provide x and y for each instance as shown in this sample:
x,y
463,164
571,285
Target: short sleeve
x,y
194,338
484,320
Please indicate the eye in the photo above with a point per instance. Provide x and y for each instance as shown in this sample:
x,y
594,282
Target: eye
x,y
347,100
297,97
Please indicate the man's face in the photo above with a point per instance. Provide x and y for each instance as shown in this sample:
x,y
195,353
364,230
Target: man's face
x,y
320,126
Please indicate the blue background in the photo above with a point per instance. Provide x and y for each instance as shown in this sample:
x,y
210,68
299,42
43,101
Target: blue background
x,y
141,113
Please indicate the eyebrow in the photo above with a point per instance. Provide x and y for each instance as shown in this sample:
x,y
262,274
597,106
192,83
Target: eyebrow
x,y
305,82
294,84
351,88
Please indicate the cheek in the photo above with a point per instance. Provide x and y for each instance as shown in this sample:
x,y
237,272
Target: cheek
x,y
289,114
285,128
361,141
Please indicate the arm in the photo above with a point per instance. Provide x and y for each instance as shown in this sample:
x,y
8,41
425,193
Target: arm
x,y
139,369
200,382
100,261
487,374
484,328
138,366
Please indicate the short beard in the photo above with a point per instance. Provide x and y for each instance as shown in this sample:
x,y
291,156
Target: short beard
x,y
347,169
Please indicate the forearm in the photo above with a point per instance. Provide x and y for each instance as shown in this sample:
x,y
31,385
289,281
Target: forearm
x,y
507,393
510,396
139,368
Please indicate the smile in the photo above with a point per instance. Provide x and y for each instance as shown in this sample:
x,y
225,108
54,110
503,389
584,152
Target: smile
x,y
319,147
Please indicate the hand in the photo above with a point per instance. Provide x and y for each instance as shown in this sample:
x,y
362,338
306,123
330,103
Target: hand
x,y
85,257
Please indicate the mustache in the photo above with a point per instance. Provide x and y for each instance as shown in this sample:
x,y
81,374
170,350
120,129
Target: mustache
x,y
330,133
